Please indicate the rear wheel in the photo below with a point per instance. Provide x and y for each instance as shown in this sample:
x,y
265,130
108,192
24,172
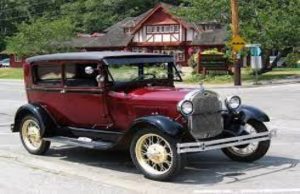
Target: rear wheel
x,y
252,151
155,155
30,133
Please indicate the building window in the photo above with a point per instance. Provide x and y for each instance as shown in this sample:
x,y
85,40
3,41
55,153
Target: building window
x,y
180,56
176,28
162,29
18,59
150,29
166,29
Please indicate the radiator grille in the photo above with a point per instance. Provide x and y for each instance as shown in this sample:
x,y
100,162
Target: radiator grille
x,y
206,120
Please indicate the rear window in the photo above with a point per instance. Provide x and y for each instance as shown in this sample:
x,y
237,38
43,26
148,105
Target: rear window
x,y
50,75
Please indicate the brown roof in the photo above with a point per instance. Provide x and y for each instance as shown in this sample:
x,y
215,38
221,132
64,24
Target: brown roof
x,y
212,37
114,37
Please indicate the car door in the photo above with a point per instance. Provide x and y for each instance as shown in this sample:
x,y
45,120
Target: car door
x,y
46,88
84,100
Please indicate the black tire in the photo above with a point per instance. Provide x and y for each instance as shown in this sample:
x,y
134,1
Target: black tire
x,y
178,160
259,152
44,145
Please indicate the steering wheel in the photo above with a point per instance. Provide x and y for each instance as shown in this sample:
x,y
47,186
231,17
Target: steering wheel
x,y
144,75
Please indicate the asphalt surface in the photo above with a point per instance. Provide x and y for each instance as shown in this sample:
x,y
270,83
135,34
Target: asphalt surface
x,y
67,169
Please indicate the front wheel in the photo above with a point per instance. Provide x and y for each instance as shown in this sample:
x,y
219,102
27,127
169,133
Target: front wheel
x,y
155,155
252,151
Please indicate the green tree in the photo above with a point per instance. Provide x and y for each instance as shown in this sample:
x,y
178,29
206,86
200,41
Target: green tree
x,y
41,36
15,12
96,15
273,23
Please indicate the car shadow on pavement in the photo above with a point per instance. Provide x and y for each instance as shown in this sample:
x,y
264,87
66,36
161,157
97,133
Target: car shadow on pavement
x,y
204,168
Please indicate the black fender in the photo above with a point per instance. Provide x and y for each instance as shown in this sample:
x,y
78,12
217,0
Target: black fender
x,y
250,112
162,123
47,122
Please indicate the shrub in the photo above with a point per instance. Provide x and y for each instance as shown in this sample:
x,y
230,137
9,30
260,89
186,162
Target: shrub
x,y
292,59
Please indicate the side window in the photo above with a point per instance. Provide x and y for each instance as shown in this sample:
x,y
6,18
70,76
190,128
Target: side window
x,y
75,75
49,75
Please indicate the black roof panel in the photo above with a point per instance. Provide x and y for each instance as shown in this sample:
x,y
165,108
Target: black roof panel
x,y
96,56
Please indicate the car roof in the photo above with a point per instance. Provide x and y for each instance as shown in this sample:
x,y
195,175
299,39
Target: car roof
x,y
94,56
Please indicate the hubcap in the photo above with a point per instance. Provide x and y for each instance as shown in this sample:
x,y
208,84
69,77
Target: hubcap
x,y
154,154
250,148
31,134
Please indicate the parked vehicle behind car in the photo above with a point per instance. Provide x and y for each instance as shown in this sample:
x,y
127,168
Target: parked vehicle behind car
x,y
5,63
123,100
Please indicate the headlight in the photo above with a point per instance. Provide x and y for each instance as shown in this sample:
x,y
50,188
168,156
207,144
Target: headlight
x,y
186,107
233,102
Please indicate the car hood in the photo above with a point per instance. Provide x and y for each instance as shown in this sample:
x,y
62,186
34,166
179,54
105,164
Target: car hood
x,y
159,94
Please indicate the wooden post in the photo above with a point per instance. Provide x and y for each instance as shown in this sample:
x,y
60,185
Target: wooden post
x,y
236,32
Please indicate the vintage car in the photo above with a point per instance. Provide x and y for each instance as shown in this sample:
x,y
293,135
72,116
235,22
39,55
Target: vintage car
x,y
124,100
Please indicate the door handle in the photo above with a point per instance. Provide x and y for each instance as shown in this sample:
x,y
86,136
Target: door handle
x,y
63,91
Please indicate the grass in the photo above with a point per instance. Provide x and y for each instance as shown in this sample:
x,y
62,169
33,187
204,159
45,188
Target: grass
x,y
11,73
247,76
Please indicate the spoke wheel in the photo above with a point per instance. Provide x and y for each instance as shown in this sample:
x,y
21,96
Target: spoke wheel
x,y
248,149
30,132
252,151
155,154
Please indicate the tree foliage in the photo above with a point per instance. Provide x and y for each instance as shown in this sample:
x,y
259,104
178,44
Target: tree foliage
x,y
20,20
40,36
273,23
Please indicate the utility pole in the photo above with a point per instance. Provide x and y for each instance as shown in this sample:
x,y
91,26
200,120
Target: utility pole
x,y
235,33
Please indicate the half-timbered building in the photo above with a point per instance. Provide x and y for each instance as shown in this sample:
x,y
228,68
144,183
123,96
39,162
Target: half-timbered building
x,y
157,31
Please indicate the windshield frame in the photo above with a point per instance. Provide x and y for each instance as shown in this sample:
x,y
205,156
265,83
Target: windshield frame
x,y
171,71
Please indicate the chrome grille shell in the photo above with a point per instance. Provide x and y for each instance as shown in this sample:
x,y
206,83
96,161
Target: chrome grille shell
x,y
206,120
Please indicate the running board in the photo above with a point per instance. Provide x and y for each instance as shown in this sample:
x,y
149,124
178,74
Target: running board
x,y
224,143
81,142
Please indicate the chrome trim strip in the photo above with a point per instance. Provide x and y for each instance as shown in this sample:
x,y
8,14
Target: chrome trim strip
x,y
224,143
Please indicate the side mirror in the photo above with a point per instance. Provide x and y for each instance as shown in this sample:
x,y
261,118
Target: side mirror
x,y
89,70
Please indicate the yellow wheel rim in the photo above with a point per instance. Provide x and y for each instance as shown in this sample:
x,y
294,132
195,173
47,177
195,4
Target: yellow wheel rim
x,y
31,134
154,154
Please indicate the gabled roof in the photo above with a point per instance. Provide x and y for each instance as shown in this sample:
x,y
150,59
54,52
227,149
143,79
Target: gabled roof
x,y
165,7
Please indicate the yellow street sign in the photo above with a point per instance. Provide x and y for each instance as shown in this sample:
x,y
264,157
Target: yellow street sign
x,y
237,43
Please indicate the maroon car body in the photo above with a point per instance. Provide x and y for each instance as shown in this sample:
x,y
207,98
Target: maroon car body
x,y
108,100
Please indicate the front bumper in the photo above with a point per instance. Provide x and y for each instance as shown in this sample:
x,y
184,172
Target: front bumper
x,y
201,146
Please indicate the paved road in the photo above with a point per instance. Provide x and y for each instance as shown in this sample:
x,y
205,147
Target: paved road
x,y
67,169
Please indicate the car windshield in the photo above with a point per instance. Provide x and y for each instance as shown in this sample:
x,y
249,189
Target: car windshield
x,y
5,60
143,72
